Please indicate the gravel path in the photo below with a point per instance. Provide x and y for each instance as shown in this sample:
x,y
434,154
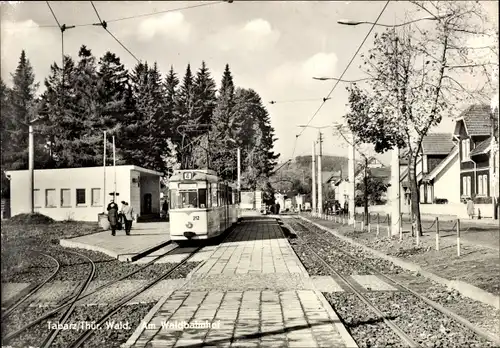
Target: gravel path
x,y
415,317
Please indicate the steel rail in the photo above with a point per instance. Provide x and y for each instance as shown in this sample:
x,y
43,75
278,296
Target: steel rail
x,y
404,337
9,310
53,335
120,303
68,302
430,302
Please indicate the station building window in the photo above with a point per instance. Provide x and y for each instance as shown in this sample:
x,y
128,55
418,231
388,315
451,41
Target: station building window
x,y
50,198
65,198
81,197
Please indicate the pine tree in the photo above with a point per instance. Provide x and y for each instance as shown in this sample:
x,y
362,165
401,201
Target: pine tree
x,y
222,125
145,135
205,100
170,104
6,135
188,122
83,143
57,127
22,107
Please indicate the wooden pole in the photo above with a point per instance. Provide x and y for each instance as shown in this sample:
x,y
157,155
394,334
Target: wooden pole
x,y
114,165
458,237
378,224
437,233
401,227
104,174
388,226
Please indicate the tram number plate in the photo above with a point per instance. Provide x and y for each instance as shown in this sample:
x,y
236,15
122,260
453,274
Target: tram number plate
x,y
196,218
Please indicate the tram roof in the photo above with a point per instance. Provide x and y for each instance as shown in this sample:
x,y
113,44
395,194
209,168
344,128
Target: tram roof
x,y
199,175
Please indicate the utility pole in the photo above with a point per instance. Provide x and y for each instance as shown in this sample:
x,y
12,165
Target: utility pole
x,y
239,168
313,208
352,181
104,170
31,154
320,176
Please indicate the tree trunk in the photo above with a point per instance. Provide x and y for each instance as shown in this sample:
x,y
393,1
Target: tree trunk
x,y
415,196
365,193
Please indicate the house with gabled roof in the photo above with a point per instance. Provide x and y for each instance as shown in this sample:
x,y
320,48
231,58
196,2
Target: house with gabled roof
x,y
474,132
437,164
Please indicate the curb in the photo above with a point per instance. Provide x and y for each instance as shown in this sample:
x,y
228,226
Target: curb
x,y
142,326
145,251
346,336
71,244
463,288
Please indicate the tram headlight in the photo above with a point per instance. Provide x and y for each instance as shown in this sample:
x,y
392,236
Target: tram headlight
x,y
189,225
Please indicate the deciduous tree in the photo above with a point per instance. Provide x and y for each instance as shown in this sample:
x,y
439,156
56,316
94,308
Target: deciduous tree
x,y
419,75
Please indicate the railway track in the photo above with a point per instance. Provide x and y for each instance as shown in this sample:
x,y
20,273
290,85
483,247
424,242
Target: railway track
x,y
123,301
8,311
407,338
76,298
72,303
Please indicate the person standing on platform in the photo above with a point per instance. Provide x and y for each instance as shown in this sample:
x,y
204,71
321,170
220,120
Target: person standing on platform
x,y
277,208
128,215
470,208
113,216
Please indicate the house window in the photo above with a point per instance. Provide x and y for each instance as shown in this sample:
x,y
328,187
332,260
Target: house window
x,y
50,198
466,186
96,197
482,182
80,197
37,199
65,198
465,149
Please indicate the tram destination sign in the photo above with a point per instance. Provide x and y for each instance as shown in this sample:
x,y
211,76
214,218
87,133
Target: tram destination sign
x,y
188,186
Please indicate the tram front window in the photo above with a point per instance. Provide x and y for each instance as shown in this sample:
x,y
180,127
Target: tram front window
x,y
189,199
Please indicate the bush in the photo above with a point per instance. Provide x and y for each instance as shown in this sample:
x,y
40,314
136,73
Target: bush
x,y
440,201
30,219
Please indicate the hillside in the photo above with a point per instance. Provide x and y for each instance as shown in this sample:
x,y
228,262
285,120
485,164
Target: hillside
x,y
329,163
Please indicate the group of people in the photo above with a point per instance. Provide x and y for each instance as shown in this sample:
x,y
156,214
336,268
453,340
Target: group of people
x,y
115,217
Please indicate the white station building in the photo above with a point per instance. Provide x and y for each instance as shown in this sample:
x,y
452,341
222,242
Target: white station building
x,y
77,193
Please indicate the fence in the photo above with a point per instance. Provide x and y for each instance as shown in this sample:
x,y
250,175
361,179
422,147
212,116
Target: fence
x,y
458,210
383,221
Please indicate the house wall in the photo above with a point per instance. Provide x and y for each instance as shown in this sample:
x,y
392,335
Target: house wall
x,y
72,179
443,182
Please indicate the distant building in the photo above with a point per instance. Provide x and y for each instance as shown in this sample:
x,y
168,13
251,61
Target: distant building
x,y
77,193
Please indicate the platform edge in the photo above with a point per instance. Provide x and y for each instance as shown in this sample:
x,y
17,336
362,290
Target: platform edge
x,y
346,336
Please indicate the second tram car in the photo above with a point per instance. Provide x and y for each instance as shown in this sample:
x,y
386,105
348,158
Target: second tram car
x,y
202,205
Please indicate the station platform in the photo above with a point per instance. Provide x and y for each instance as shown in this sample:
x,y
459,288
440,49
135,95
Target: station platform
x,y
144,238
250,291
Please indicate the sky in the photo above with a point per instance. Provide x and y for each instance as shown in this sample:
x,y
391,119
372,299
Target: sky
x,y
273,47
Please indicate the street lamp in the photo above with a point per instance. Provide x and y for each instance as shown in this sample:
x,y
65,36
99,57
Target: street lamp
x,y
429,18
31,161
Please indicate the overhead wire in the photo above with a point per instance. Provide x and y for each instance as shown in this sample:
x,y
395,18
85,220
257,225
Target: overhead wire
x,y
130,17
295,100
343,73
105,27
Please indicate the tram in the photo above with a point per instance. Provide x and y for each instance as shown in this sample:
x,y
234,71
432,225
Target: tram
x,y
202,205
